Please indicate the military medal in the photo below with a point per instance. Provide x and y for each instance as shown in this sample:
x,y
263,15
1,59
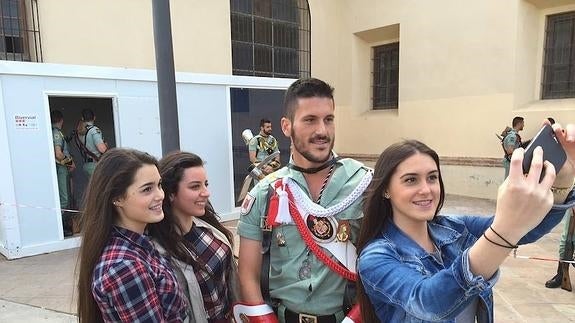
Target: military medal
x,y
322,229
304,271
280,239
343,231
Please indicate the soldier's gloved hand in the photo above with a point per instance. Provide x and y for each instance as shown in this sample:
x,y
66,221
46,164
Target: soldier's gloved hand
x,y
67,160
275,165
258,313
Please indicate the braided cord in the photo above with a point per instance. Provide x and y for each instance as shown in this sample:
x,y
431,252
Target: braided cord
x,y
314,247
303,200
325,183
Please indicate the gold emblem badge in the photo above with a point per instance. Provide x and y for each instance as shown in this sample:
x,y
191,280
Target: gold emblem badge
x,y
343,231
322,229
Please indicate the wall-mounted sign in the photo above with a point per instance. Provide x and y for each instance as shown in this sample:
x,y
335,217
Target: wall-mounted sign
x,y
26,121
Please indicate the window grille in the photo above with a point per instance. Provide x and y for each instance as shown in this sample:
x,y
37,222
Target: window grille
x,y
20,31
385,76
558,79
271,38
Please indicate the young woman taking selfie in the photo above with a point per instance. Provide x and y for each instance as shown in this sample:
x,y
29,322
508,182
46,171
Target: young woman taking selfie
x,y
418,266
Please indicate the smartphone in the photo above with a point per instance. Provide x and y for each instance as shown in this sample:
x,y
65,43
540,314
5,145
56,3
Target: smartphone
x,y
552,150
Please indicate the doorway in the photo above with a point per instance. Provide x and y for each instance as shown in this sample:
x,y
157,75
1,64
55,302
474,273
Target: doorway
x,y
71,108
248,107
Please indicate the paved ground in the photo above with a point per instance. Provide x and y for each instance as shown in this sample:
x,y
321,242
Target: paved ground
x,y
41,288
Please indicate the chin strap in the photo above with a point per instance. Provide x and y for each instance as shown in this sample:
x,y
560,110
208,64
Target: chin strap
x,y
314,170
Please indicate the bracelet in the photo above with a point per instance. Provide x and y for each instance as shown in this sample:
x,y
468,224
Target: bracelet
x,y
561,190
514,246
498,244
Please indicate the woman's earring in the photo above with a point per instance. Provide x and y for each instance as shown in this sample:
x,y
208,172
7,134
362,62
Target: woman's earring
x,y
115,203
386,195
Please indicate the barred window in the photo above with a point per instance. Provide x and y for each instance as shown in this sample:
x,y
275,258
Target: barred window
x,y
271,38
19,31
385,76
558,79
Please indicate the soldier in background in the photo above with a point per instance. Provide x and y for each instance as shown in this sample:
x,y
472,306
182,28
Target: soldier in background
x,y
263,145
90,141
511,141
64,165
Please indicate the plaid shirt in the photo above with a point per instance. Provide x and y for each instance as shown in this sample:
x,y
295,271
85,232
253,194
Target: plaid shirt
x,y
212,277
133,283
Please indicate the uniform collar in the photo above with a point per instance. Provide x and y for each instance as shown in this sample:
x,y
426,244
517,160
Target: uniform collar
x,y
344,170
298,176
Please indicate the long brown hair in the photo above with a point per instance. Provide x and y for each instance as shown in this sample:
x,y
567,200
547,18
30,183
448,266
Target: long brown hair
x,y
169,232
377,210
113,175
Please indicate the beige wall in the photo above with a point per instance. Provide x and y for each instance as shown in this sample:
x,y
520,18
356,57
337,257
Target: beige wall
x,y
448,75
466,67
529,60
120,33
465,71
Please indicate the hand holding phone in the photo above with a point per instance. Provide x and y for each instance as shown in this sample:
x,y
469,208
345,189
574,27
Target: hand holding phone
x,y
552,150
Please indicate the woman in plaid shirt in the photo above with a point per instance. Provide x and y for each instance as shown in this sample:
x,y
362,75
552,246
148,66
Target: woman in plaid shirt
x,y
192,237
122,276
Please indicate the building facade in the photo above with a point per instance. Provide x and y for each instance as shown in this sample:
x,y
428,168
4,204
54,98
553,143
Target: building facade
x,y
450,73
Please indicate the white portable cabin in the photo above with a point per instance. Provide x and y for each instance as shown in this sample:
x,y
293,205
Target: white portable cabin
x,y
30,217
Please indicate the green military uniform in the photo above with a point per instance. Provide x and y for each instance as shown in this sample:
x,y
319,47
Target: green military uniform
x,y
563,240
320,291
263,146
511,140
91,139
61,170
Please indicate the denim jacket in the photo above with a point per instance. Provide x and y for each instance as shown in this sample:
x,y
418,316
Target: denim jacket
x,y
406,284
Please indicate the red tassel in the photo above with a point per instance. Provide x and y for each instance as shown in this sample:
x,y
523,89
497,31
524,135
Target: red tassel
x,y
272,210
273,206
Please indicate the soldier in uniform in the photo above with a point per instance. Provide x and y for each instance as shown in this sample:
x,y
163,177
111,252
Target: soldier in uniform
x,y
91,142
512,141
64,164
305,217
263,145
